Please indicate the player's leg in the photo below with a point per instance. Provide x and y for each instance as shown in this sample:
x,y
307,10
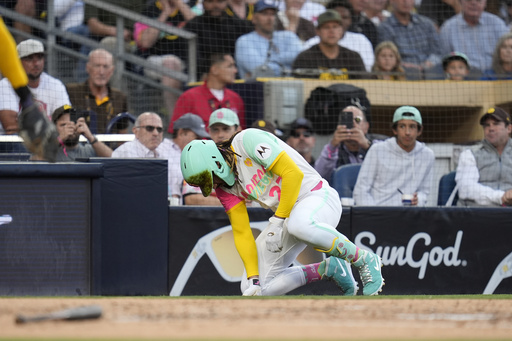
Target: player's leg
x,y
313,221
278,278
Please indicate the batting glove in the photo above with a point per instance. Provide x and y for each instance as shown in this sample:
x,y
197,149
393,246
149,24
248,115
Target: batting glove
x,y
39,134
254,289
274,234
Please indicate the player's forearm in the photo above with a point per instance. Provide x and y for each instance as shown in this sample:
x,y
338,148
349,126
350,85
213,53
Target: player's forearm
x,y
244,239
10,63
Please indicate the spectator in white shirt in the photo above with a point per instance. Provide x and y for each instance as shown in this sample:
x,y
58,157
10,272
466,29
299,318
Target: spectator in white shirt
x,y
149,143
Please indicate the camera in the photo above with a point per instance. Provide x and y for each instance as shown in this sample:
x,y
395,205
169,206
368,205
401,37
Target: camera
x,y
75,115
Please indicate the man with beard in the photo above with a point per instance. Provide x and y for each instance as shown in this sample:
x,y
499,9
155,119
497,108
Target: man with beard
x,y
301,139
69,134
48,92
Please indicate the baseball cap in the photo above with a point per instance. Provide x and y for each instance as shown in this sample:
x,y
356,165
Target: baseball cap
x,y
455,56
192,122
328,16
264,4
267,126
224,116
407,113
301,122
497,114
65,109
120,121
28,47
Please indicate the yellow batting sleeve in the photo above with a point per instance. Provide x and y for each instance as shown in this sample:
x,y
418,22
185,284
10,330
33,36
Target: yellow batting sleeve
x,y
10,63
244,239
291,178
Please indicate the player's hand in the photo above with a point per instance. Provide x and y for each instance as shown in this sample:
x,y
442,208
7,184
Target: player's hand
x,y
274,233
254,289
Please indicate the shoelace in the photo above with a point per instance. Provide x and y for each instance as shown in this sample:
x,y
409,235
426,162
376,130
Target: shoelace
x,y
364,272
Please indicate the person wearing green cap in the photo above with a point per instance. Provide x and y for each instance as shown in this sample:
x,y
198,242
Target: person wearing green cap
x,y
222,125
399,165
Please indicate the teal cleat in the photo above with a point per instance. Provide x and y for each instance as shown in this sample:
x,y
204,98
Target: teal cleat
x,y
369,266
339,271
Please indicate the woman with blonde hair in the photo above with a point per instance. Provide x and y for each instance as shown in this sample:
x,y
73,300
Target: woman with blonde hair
x,y
388,62
501,60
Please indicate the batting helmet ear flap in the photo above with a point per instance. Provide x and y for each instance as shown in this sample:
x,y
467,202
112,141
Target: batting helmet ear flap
x,y
200,160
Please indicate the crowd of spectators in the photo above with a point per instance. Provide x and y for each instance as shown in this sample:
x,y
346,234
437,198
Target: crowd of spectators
x,y
242,39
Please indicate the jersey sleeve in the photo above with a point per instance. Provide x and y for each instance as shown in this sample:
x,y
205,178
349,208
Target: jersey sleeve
x,y
242,233
261,146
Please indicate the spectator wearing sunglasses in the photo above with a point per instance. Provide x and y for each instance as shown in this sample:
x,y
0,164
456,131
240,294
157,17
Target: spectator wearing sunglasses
x,y
348,145
150,143
301,138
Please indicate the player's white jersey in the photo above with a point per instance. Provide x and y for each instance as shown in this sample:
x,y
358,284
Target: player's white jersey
x,y
258,150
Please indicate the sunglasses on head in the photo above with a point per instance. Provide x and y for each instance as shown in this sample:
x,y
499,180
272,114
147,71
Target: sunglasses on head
x,y
150,129
297,134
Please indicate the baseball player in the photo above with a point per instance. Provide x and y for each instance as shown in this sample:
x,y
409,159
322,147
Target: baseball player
x,y
38,133
256,165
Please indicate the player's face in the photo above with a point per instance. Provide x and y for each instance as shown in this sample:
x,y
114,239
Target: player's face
x,y
33,65
330,33
100,68
496,132
506,51
147,133
406,134
218,182
457,70
220,132
386,60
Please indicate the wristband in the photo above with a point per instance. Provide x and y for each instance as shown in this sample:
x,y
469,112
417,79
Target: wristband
x,y
93,141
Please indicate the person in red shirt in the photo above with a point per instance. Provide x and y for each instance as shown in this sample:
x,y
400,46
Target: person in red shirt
x,y
212,94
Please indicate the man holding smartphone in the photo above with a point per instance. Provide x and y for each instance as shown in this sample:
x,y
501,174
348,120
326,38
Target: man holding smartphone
x,y
70,126
349,143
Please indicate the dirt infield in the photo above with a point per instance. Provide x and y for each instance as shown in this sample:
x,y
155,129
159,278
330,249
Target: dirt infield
x,y
312,318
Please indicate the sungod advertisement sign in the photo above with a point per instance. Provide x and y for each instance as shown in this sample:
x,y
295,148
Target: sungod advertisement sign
x,y
438,250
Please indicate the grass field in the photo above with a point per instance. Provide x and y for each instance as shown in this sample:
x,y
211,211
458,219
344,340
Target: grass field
x,y
459,317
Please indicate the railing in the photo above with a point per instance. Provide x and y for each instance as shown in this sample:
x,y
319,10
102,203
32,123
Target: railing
x,y
119,53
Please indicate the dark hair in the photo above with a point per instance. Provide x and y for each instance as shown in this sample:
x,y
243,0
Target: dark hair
x,y
340,3
395,124
216,58
228,154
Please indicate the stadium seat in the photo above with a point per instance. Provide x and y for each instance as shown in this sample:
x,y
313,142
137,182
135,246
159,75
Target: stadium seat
x,y
447,185
344,179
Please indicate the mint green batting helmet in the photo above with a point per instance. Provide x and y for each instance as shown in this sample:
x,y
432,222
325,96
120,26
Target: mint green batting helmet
x,y
201,158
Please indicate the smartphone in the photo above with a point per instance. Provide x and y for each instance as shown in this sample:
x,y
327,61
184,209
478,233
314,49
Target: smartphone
x,y
346,118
